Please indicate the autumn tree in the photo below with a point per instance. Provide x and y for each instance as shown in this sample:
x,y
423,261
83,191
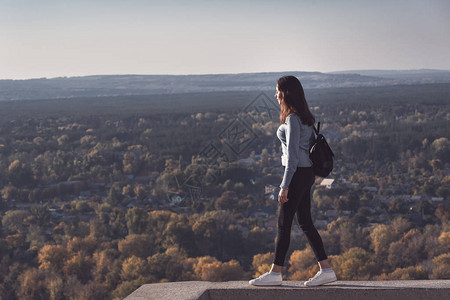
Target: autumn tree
x,y
85,245
79,265
352,264
441,267
32,285
227,201
52,257
139,245
19,174
303,264
258,240
261,263
107,267
134,267
383,235
409,273
413,243
137,220
210,269
13,221
213,233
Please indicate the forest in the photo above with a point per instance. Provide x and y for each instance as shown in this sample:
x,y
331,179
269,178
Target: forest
x,y
101,195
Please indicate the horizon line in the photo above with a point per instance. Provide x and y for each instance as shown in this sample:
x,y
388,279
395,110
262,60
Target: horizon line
x,y
354,71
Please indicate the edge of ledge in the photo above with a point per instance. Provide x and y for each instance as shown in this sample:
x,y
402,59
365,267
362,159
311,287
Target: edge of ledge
x,y
206,290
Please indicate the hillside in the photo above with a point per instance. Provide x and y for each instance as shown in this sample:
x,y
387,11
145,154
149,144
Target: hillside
x,y
121,85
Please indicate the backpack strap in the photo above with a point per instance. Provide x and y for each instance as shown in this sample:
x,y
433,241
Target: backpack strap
x,y
316,130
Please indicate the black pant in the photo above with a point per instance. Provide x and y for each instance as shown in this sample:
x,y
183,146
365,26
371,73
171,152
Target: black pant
x,y
299,201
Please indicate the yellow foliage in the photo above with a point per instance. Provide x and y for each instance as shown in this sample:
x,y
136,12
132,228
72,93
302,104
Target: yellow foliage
x,y
264,268
176,252
441,268
211,269
52,257
305,274
301,260
262,263
352,264
31,285
87,244
79,265
140,245
444,240
15,240
409,273
14,165
443,259
104,261
133,268
382,236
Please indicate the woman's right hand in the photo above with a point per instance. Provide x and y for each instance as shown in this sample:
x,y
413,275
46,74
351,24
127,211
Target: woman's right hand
x,y
282,196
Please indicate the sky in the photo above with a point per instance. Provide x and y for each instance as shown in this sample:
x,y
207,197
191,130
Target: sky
x,y
53,38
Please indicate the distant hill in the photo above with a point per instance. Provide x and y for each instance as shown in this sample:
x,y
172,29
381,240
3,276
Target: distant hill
x,y
411,76
120,85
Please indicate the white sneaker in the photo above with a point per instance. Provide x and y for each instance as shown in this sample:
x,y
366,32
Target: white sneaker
x,y
267,279
321,278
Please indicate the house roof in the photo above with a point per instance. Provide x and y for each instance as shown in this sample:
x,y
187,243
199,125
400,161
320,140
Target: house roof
x,y
327,181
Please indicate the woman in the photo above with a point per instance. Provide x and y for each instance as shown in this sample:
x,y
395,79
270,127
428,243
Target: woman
x,y
296,136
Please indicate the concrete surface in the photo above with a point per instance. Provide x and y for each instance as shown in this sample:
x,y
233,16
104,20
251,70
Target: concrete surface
x,y
348,290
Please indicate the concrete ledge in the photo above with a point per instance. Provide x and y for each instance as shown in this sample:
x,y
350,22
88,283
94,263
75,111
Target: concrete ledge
x,y
348,290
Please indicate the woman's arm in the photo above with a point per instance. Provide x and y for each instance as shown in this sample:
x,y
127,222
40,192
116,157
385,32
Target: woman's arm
x,y
292,142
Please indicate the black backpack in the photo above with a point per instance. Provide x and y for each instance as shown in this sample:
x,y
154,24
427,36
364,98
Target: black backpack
x,y
321,155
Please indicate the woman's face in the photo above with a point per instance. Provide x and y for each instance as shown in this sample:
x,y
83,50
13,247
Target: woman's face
x,y
278,95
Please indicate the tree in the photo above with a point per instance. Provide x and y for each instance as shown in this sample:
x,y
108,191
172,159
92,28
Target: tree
x,y
258,240
383,235
127,287
52,257
55,286
80,265
36,237
178,233
13,221
134,267
302,264
444,241
211,269
9,192
261,263
107,266
409,273
351,235
141,192
413,243
350,201
441,149
443,213
19,174
114,196
85,245
32,285
227,201
352,264
139,245
212,231
175,266
441,267
41,215
137,220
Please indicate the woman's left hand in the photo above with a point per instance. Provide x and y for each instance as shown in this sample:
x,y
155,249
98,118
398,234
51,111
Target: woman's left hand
x,y
282,196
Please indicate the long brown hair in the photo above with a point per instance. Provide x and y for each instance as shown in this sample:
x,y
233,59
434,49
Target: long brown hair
x,y
293,100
